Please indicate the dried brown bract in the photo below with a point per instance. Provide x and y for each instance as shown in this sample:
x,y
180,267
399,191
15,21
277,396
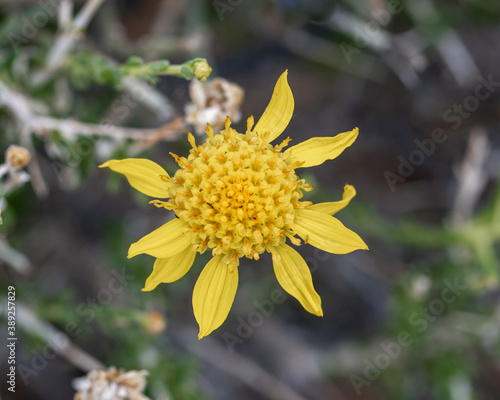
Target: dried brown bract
x,y
17,157
212,102
111,384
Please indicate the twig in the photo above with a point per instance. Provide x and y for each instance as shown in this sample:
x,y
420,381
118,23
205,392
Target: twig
x,y
146,94
455,330
66,41
21,109
451,48
64,14
70,129
302,362
326,53
457,58
384,43
318,49
37,182
243,369
30,122
17,104
59,341
16,260
471,177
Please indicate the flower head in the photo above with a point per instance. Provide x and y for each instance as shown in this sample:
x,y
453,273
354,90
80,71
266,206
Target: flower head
x,y
212,102
237,195
111,384
17,157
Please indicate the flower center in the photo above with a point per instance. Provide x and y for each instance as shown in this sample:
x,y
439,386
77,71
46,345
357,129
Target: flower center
x,y
237,193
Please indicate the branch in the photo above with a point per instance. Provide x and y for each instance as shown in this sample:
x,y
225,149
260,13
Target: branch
x,y
54,338
16,260
149,96
70,129
30,122
20,108
243,369
64,43
17,104
450,46
65,13
471,177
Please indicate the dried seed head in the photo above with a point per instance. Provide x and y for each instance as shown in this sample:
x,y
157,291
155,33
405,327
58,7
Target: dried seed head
x,y
17,156
212,102
111,384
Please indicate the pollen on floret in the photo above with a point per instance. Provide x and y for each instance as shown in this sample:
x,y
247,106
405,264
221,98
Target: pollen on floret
x,y
237,193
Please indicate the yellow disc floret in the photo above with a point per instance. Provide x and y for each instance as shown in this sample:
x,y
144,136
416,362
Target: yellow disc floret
x,y
237,193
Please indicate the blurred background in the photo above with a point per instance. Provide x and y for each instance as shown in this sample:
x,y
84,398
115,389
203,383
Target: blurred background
x,y
415,318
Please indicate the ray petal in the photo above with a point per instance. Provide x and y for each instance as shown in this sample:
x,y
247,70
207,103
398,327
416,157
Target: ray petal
x,y
326,232
294,276
279,111
317,150
213,294
333,207
167,270
142,174
164,242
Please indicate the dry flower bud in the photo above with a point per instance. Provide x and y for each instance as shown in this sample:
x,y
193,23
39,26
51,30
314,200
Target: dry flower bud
x,y
212,102
17,156
155,323
111,384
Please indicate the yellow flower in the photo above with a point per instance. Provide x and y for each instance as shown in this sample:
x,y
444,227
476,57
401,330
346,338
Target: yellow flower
x,y
239,196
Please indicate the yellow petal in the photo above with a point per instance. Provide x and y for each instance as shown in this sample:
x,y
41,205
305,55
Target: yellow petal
x,y
331,208
294,276
142,174
213,295
317,150
326,233
279,111
168,270
164,242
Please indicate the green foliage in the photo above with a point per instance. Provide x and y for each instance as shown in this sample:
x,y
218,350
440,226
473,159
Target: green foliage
x,y
86,66
439,360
